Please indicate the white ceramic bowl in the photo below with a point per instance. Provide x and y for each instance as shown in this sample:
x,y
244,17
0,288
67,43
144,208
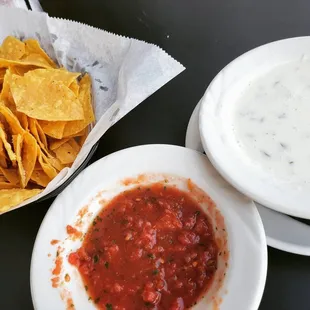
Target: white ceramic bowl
x,y
244,282
282,231
218,139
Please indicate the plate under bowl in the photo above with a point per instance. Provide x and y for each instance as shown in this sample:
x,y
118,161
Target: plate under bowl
x,y
282,231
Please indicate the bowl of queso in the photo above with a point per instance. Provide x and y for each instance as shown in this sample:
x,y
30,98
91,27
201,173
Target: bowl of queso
x,y
156,234
254,125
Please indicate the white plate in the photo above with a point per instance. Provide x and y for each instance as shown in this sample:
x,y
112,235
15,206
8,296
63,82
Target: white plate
x,y
218,139
247,265
282,232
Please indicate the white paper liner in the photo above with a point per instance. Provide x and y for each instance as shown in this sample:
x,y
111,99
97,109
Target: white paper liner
x,y
14,3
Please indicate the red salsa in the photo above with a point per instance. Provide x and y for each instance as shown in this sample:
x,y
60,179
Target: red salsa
x,y
149,248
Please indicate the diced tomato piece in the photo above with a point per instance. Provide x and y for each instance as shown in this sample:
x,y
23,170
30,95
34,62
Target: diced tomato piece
x,y
151,296
178,304
148,238
74,259
201,279
202,227
139,223
85,269
135,254
190,222
158,249
178,284
169,221
178,248
188,238
149,285
83,255
132,289
117,288
112,250
171,270
190,287
73,232
160,284
70,229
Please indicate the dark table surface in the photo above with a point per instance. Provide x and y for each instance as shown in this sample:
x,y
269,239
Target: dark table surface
x,y
204,35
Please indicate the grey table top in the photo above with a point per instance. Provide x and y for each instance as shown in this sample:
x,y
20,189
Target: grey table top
x,y
204,35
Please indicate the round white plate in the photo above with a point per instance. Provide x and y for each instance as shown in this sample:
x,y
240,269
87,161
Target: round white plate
x,y
222,147
244,282
282,232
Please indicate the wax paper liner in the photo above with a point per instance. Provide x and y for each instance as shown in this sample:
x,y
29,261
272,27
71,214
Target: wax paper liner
x,y
124,71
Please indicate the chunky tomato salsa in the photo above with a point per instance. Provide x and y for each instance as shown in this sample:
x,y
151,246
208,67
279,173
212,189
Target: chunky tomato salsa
x,y
149,248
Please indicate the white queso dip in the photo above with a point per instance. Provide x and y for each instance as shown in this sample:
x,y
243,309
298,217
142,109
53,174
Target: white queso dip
x,y
271,121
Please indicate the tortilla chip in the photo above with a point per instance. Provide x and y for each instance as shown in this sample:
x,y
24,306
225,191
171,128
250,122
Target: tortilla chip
x,y
57,143
80,133
21,70
12,120
2,74
72,142
61,125
46,166
64,76
56,129
75,87
40,177
34,131
44,99
86,101
14,142
7,145
6,88
37,165
23,119
26,152
41,134
12,49
11,175
53,129
55,162
29,155
12,197
18,144
7,185
66,153
10,105
3,156
35,60
83,138
33,47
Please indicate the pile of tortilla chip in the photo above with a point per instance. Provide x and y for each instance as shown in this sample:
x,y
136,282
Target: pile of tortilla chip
x,y
45,113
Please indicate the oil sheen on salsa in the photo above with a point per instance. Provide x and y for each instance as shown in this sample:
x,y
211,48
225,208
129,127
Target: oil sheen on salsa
x,y
149,248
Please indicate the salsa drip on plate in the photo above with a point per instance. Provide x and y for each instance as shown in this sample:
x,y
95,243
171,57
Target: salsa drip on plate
x,y
151,247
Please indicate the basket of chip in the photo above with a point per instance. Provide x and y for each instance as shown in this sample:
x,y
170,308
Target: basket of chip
x,y
63,85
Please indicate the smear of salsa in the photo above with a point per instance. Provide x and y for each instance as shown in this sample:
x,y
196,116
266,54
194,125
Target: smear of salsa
x,y
149,248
